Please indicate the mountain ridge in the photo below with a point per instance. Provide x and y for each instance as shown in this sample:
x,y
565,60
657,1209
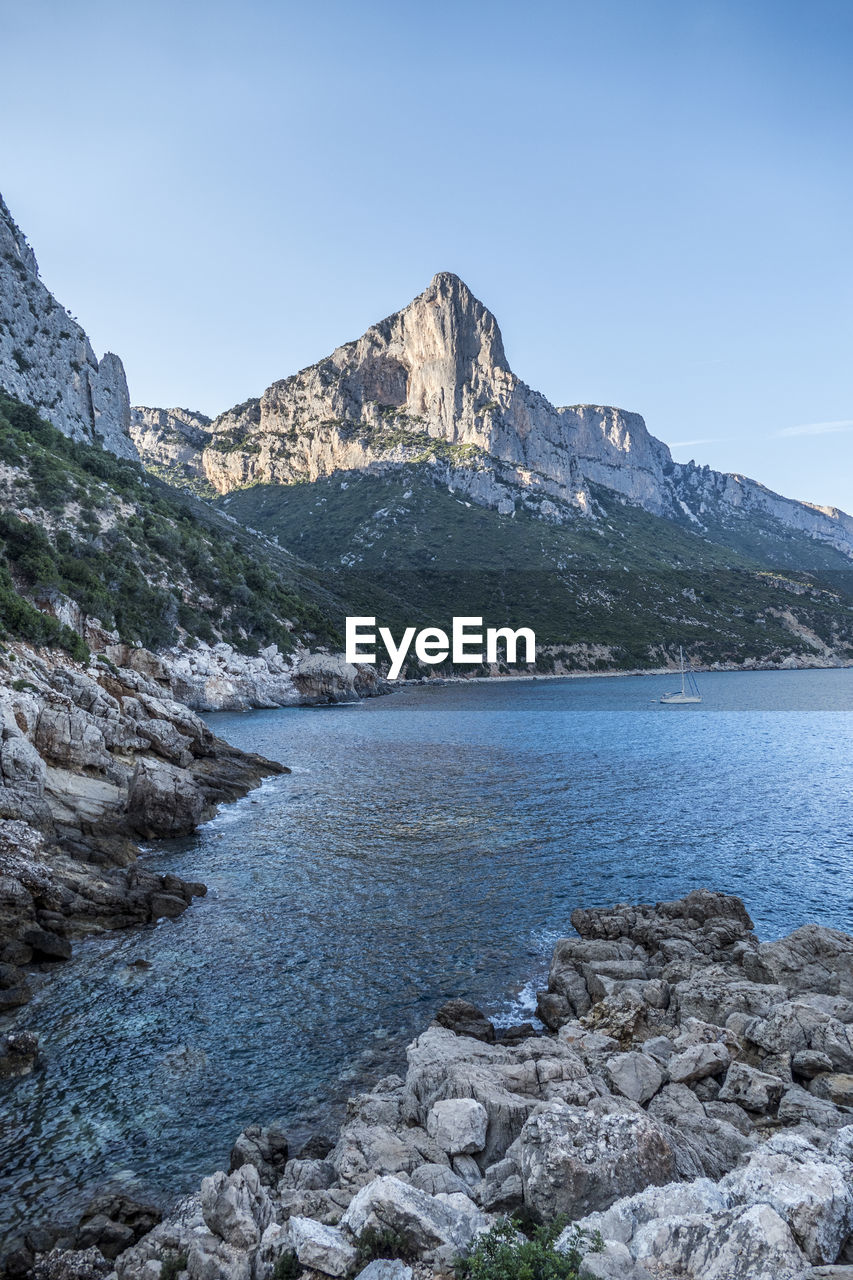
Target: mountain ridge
x,y
432,383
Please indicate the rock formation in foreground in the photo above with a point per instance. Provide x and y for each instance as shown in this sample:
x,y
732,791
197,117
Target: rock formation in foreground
x,y
692,1102
47,360
93,760
431,384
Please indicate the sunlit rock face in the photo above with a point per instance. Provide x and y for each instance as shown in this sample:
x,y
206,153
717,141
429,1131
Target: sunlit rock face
x,y
46,359
431,385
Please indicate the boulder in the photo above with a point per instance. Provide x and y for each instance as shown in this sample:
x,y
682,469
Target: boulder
x,y
458,1125
114,1220
307,1175
263,1147
614,1262
810,959
424,1222
437,1178
704,1144
661,1048
46,945
808,1022
836,1086
635,1075
748,1244
209,1258
163,800
716,992
798,1106
465,1019
622,1220
553,1009
575,1160
753,1090
809,1062
321,1248
236,1207
812,1195
19,1054
326,1205
385,1269
698,1061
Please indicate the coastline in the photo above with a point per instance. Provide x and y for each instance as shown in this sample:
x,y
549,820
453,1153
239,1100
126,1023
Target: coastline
x,y
714,668
154,850
675,1091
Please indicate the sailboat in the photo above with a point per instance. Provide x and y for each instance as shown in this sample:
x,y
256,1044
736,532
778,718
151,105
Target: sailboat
x,y
689,691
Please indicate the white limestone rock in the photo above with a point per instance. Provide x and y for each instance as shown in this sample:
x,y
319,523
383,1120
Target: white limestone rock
x,y
697,1062
320,1247
576,1160
236,1207
753,1090
425,1222
458,1125
634,1075
748,1244
812,1195
46,359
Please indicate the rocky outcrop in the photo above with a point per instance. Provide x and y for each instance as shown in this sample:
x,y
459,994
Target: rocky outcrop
x,y
170,441
91,761
219,678
46,359
654,1118
431,384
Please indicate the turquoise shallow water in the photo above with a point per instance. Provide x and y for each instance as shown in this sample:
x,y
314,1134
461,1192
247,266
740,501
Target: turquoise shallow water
x,y
428,844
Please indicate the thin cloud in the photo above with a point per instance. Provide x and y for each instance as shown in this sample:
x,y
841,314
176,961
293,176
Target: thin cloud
x,y
818,428
691,444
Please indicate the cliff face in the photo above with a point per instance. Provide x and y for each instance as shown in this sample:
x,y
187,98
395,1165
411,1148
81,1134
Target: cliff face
x,y
171,441
431,384
46,359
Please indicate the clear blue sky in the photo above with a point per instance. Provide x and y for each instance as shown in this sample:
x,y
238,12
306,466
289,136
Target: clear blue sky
x,y
653,197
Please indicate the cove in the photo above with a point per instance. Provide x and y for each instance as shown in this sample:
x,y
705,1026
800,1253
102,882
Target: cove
x,y
429,844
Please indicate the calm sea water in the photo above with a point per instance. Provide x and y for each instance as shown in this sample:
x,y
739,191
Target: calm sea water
x,y
427,845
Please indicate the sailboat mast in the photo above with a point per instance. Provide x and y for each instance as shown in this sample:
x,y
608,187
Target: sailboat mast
x,y
681,660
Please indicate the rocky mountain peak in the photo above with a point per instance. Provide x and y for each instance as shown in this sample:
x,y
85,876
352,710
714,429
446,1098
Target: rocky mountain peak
x,y
46,359
430,385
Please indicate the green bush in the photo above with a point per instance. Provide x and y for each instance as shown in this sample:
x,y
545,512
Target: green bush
x,y
173,1265
287,1267
382,1242
505,1253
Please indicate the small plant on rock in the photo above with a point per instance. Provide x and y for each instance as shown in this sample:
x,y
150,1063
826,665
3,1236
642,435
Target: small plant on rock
x,y
173,1265
287,1267
506,1253
382,1242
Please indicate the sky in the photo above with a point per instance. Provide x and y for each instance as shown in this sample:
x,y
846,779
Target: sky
x,y
653,197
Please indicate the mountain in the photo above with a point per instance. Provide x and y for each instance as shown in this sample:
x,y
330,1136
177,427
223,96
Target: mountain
x,y
410,475
47,361
431,384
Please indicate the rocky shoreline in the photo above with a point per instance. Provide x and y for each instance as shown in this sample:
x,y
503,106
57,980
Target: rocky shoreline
x,y
92,761
96,758
688,1105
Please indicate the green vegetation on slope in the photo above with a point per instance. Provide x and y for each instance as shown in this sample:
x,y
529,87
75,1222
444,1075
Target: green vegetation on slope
x,y
412,553
131,552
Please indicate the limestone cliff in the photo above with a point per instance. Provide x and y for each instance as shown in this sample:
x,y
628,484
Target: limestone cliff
x,y
171,440
46,359
431,384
